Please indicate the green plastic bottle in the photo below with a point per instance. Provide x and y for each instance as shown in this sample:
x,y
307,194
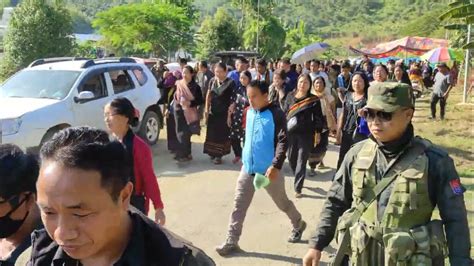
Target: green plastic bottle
x,y
260,181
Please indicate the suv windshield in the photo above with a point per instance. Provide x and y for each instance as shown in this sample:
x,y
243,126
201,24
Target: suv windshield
x,y
51,84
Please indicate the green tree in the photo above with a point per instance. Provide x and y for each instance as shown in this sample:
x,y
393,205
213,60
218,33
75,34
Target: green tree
x,y
427,25
217,33
460,15
87,49
145,28
298,38
271,37
36,30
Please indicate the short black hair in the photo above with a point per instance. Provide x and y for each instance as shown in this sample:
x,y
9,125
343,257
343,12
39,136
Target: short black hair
x,y
286,60
281,73
222,65
183,61
124,106
262,86
90,149
18,171
247,74
242,60
262,62
316,62
346,65
203,64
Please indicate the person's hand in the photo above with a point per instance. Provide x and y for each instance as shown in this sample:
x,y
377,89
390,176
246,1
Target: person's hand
x,y
232,108
206,116
445,95
317,139
160,217
229,120
312,257
338,137
167,113
272,173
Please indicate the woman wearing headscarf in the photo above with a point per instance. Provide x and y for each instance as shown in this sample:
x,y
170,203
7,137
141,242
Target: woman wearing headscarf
x,y
356,99
304,120
120,116
328,109
218,101
187,98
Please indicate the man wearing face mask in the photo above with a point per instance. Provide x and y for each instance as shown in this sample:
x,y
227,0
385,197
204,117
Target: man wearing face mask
x,y
19,215
381,202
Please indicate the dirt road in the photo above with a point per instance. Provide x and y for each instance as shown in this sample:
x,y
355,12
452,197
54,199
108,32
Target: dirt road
x,y
198,200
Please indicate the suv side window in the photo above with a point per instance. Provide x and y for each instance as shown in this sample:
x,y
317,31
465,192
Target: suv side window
x,y
121,81
95,84
140,75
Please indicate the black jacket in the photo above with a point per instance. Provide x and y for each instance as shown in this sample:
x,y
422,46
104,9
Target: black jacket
x,y
441,171
149,245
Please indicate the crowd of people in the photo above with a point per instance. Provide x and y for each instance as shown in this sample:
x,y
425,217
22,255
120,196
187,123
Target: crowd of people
x,y
87,197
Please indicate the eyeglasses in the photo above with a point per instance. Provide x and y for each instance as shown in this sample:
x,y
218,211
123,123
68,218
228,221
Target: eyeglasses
x,y
370,115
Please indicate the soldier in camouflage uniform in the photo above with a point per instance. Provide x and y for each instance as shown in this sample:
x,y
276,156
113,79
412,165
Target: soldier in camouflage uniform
x,y
382,198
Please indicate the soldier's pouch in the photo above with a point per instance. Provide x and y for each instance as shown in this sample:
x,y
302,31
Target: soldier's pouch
x,y
343,224
399,246
438,243
422,254
359,238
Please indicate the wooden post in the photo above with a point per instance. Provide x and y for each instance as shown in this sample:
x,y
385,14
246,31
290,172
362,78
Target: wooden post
x,y
466,70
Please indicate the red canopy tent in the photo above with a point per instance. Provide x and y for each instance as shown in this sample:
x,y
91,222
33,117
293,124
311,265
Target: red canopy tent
x,y
408,45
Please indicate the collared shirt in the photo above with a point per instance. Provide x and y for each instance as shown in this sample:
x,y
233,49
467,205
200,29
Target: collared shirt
x,y
235,76
148,245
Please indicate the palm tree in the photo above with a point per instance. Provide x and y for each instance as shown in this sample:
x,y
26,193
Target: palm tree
x,y
462,12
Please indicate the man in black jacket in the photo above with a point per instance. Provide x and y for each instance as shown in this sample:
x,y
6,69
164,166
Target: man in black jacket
x,y
84,197
19,215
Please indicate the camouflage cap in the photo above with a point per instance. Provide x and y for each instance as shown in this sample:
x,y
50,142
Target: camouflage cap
x,y
390,96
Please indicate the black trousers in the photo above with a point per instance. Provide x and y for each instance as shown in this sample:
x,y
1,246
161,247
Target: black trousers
x,y
442,104
236,147
183,135
299,147
348,140
317,153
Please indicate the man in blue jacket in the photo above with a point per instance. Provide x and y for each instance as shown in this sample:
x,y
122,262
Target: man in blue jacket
x,y
264,153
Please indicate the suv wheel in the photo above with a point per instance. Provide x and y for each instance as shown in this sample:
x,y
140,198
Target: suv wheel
x,y
150,128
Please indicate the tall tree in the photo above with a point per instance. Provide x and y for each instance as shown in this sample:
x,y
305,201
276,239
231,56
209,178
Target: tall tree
x,y
271,37
217,33
36,30
145,28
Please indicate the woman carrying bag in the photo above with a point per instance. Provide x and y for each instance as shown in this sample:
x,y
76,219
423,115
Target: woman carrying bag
x,y
187,98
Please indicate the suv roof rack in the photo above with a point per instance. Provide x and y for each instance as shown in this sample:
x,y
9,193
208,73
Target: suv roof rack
x,y
43,61
108,60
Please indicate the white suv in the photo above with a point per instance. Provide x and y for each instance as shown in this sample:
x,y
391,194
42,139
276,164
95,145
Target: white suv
x,y
52,94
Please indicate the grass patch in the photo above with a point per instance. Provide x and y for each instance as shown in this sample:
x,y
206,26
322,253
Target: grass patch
x,y
455,134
